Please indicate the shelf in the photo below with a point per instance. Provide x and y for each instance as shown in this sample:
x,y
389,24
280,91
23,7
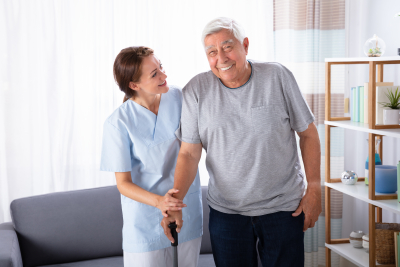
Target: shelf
x,y
358,256
364,127
360,191
363,59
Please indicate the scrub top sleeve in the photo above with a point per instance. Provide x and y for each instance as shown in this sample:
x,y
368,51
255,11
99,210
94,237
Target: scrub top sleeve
x,y
115,154
188,130
300,115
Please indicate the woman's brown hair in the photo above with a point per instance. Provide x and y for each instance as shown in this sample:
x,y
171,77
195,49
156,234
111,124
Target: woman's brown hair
x,y
128,67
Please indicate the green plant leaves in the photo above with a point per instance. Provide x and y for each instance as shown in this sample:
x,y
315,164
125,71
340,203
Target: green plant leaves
x,y
394,99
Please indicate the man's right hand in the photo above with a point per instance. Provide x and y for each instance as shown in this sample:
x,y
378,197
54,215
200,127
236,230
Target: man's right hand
x,y
173,216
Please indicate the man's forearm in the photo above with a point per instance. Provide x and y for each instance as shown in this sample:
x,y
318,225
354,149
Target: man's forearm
x,y
311,152
185,173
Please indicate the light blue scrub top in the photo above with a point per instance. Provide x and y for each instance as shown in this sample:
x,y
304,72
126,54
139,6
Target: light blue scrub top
x,y
136,140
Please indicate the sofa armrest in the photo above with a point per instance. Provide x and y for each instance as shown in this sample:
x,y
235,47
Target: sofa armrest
x,y
10,253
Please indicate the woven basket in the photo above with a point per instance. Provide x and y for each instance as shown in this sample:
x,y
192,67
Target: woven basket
x,y
385,253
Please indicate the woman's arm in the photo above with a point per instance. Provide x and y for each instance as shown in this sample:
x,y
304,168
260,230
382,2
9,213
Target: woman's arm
x,y
165,203
185,173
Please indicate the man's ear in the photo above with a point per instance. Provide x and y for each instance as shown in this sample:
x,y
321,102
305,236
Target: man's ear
x,y
134,86
246,44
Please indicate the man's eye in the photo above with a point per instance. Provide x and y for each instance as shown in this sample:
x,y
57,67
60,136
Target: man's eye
x,y
211,53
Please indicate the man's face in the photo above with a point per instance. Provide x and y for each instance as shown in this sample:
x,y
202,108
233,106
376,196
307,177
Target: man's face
x,y
226,56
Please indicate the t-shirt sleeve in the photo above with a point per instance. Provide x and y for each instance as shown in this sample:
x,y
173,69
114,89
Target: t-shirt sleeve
x,y
115,154
300,115
188,130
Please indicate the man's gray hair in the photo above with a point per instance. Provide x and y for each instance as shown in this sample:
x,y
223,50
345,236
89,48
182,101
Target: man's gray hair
x,y
221,23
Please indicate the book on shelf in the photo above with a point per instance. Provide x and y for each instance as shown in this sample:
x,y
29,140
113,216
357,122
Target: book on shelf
x,y
353,92
357,103
366,90
359,111
365,102
397,248
351,104
361,103
381,97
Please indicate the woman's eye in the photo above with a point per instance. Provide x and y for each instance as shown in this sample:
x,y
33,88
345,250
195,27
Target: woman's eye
x,y
154,75
161,66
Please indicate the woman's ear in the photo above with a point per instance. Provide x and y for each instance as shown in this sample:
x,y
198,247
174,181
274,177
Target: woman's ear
x,y
134,86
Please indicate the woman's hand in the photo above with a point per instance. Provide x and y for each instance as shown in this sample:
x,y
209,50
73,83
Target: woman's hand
x,y
169,203
175,217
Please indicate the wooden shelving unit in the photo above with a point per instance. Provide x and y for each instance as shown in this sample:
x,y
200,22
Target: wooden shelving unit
x,y
376,202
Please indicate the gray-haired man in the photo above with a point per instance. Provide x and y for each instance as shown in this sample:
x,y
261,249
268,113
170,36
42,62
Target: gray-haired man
x,y
245,114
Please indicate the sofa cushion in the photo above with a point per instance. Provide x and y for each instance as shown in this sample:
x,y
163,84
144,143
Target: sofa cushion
x,y
105,262
69,226
10,254
206,260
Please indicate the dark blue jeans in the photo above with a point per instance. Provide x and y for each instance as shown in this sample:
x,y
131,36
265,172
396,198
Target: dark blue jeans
x,y
234,238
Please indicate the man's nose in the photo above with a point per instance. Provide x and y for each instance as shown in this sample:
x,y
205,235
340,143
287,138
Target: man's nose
x,y
222,57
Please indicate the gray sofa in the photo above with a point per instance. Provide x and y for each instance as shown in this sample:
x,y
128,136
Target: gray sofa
x,y
79,228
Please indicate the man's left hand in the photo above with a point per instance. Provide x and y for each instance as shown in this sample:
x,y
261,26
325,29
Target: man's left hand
x,y
310,205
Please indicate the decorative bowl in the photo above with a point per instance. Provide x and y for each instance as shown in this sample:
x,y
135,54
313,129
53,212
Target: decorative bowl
x,y
349,177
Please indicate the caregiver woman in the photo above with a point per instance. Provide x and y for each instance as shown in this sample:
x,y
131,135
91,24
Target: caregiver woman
x,y
140,146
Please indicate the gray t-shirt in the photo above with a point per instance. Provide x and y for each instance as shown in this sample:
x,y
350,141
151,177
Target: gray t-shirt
x,y
248,134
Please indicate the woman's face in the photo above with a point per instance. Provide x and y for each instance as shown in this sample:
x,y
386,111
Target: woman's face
x,y
153,80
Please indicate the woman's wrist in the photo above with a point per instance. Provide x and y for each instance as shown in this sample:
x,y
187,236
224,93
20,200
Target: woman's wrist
x,y
157,201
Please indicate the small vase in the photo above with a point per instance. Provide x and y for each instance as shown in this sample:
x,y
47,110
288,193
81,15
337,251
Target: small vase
x,y
386,179
390,116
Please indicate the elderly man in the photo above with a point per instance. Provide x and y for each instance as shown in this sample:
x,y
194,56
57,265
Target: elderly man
x,y
245,114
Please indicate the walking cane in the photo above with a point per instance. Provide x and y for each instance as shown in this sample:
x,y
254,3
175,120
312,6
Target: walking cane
x,y
172,226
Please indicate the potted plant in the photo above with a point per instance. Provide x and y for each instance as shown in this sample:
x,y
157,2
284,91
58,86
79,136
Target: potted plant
x,y
391,114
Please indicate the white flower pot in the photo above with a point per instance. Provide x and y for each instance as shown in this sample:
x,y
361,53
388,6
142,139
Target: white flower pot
x,y
391,116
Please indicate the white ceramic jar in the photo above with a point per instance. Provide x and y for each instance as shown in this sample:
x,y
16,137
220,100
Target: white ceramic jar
x,y
365,244
356,239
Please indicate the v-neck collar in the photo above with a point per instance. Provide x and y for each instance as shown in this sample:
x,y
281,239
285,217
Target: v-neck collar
x,y
152,118
147,110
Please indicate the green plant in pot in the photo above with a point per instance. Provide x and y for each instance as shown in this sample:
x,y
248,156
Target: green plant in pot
x,y
391,114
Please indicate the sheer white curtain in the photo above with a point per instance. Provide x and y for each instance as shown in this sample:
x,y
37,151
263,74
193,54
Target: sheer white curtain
x,y
57,87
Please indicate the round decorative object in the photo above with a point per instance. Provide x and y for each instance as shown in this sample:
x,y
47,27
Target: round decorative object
x,y
386,179
349,177
374,47
356,239
365,243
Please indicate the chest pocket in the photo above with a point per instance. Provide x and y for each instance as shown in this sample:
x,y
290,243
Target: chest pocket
x,y
265,119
